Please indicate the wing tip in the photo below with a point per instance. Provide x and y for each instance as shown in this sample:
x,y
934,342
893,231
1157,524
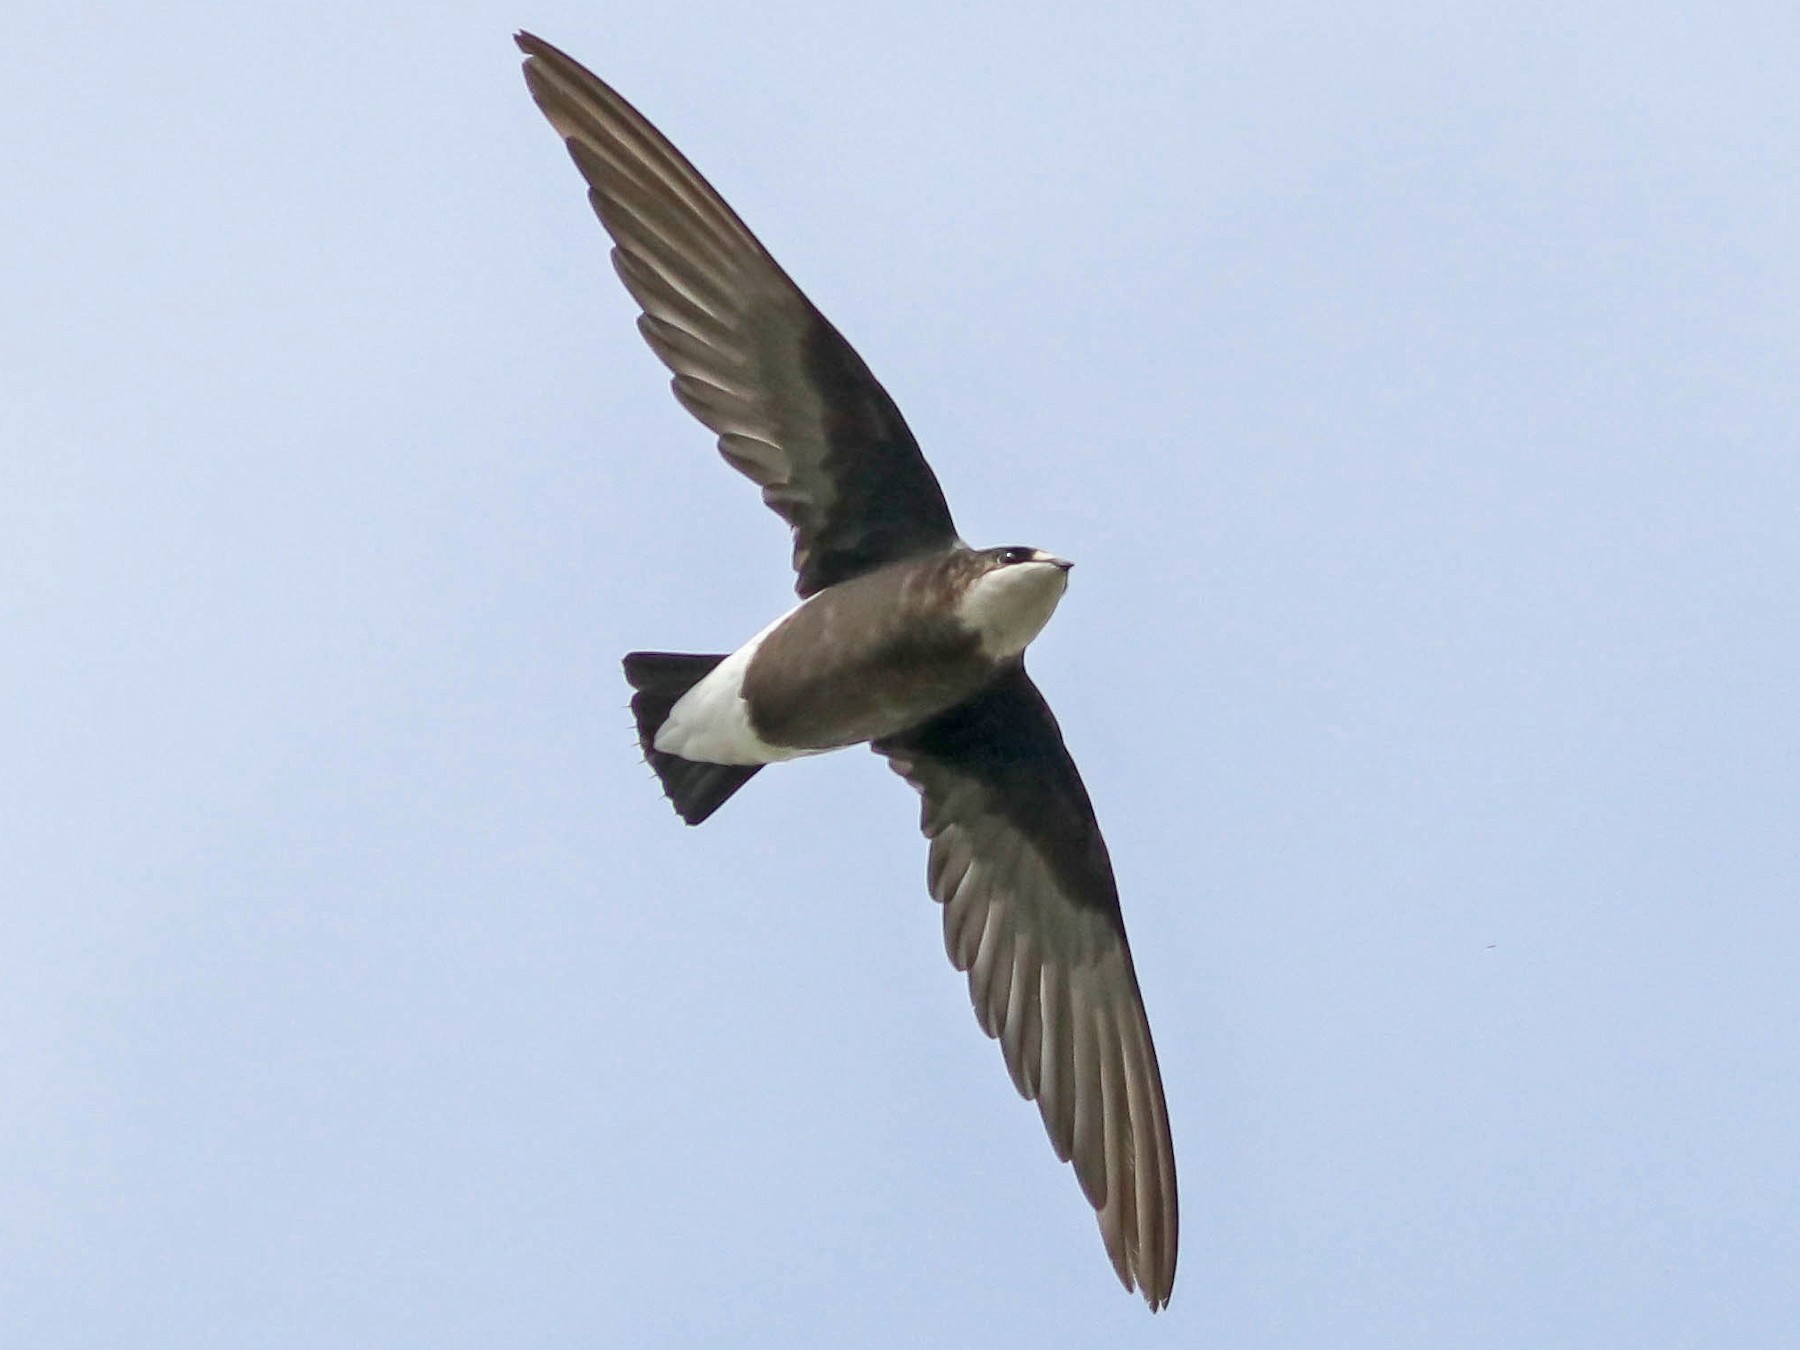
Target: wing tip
x,y
1155,1286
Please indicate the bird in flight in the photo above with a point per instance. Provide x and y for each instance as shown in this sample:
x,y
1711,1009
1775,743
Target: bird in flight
x,y
905,638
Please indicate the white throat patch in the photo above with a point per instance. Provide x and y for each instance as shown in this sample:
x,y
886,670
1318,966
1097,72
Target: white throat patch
x,y
1010,605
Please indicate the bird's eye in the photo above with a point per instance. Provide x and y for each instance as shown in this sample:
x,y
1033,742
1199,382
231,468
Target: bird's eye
x,y
1015,555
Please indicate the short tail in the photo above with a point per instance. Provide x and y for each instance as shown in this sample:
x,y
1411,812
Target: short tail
x,y
661,678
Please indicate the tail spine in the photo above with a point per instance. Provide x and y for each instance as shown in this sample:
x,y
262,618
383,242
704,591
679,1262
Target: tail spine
x,y
660,678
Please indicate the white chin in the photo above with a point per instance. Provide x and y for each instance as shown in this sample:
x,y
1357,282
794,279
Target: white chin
x,y
1009,606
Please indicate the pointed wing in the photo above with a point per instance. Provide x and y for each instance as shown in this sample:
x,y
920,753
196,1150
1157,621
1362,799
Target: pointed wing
x,y
795,408
1032,914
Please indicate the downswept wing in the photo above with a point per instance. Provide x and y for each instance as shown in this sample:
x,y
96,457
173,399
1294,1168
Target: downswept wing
x,y
1031,912
795,408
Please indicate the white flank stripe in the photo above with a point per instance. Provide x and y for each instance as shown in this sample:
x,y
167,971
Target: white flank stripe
x,y
711,722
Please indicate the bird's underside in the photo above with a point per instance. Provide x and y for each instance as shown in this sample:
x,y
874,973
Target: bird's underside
x,y
906,639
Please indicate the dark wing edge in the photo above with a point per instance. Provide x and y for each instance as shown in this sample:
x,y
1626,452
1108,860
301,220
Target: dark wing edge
x,y
795,408
1031,913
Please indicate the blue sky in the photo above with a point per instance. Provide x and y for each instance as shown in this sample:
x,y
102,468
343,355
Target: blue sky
x,y
1415,386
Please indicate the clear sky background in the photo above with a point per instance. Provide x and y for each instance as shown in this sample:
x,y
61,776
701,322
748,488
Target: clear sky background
x,y
1416,387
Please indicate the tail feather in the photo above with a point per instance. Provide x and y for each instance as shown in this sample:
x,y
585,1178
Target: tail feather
x,y
661,678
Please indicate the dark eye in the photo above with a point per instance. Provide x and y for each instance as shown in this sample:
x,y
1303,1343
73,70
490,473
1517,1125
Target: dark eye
x,y
1016,555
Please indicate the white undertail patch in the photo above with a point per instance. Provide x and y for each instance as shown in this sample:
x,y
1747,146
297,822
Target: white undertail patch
x,y
711,722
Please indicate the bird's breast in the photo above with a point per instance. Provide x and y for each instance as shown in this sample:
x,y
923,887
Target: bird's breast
x,y
856,663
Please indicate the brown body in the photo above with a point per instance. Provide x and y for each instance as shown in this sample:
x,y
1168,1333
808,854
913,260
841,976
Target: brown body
x,y
870,657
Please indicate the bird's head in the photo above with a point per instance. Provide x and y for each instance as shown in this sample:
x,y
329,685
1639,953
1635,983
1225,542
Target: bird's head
x,y
1009,596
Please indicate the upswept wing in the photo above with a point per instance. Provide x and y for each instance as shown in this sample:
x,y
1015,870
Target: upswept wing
x,y
795,408
1031,912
